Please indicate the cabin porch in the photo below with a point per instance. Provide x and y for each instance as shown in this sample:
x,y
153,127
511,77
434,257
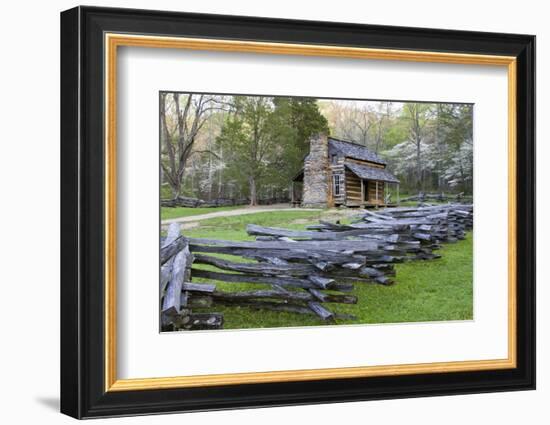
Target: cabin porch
x,y
369,187
374,194
368,193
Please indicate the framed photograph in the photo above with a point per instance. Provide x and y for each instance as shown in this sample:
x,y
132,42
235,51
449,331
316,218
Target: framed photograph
x,y
261,212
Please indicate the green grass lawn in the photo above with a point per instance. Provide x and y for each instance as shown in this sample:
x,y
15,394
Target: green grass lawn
x,y
433,290
177,212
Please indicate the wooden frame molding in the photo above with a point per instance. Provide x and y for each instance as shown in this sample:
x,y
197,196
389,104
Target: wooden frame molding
x,y
114,40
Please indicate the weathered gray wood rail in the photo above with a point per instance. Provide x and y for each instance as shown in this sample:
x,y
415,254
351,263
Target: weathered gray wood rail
x,y
441,197
183,201
430,225
294,269
298,274
187,202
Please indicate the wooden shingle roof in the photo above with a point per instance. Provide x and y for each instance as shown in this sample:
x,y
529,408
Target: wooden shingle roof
x,y
352,150
370,173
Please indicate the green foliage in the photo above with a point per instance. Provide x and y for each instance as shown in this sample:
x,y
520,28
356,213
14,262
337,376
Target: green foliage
x,y
247,138
166,191
293,122
431,147
396,133
457,123
433,290
265,140
252,146
302,116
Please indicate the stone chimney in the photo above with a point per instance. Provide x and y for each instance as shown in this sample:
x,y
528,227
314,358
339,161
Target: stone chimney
x,y
316,173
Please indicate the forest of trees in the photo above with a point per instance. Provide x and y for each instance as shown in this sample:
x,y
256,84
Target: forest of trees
x,y
250,147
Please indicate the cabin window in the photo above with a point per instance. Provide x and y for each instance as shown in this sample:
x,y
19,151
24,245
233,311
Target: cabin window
x,y
334,159
337,184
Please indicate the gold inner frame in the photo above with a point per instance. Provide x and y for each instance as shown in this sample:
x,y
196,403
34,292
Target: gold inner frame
x,y
113,41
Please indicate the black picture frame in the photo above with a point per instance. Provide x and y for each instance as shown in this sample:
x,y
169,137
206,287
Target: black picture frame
x,y
82,206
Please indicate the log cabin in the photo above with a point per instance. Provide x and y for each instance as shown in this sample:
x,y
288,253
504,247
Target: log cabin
x,y
341,173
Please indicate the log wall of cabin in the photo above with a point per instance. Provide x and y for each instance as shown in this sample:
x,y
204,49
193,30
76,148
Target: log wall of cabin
x,y
353,189
350,186
369,163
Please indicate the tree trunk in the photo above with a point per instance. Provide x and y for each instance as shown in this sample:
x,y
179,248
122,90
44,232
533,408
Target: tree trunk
x,y
418,141
176,188
418,165
220,175
189,116
463,178
253,197
210,177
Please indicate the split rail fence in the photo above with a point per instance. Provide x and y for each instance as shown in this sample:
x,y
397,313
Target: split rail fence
x,y
304,271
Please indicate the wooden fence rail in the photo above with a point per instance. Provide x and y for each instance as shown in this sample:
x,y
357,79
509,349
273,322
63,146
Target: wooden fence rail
x,y
300,271
441,197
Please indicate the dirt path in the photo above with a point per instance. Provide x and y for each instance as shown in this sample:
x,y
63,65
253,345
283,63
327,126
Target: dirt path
x,y
191,220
